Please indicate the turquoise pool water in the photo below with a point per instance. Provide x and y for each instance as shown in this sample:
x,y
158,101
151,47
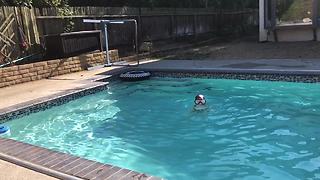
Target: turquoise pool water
x,y
252,129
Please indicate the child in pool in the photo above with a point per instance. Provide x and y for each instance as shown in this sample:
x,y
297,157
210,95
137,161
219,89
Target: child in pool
x,y
200,103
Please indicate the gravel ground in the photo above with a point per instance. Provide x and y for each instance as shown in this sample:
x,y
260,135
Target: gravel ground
x,y
250,48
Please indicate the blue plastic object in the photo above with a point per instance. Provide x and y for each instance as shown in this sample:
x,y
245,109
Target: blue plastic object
x,y
4,129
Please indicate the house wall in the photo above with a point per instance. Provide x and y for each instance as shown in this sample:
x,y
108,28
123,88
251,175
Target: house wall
x,y
318,34
297,34
294,34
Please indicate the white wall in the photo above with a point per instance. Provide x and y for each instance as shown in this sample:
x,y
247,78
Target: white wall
x,y
318,34
296,34
263,33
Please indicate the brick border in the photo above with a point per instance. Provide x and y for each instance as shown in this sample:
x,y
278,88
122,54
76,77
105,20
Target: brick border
x,y
45,69
62,165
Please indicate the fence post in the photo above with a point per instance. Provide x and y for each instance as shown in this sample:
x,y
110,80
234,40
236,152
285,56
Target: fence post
x,y
44,29
172,34
195,22
175,24
315,14
219,20
140,30
243,23
34,26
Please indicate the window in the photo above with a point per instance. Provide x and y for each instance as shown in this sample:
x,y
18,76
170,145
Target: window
x,y
294,12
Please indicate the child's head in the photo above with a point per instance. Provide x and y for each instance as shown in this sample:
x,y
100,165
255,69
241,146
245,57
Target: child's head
x,y
200,100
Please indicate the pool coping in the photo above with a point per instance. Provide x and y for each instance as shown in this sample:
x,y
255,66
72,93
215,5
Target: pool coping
x,y
242,76
61,165
264,66
91,86
230,71
18,152
39,104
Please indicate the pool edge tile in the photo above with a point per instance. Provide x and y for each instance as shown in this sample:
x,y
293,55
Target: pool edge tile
x,y
94,171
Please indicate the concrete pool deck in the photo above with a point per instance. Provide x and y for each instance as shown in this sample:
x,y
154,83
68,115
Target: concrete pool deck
x,y
282,66
21,93
17,94
14,172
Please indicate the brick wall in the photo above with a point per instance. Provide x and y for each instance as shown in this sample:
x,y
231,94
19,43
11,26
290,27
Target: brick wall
x,y
36,71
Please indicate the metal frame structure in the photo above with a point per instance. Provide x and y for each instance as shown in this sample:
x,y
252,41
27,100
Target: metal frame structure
x,y
104,28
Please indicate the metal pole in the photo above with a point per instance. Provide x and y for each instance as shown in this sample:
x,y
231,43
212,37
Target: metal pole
x,y
315,19
104,27
137,43
136,36
108,64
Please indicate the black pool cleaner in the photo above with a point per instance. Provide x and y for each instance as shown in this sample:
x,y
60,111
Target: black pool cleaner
x,y
135,76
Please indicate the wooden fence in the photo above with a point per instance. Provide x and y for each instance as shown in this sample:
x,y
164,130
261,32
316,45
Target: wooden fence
x,y
153,24
11,20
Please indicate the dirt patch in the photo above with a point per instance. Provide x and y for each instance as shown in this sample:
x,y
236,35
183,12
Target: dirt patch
x,y
250,48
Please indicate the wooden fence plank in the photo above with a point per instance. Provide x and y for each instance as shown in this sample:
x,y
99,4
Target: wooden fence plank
x,y
35,27
26,23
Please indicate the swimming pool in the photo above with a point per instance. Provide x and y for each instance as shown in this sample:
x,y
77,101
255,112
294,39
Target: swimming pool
x,y
252,129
